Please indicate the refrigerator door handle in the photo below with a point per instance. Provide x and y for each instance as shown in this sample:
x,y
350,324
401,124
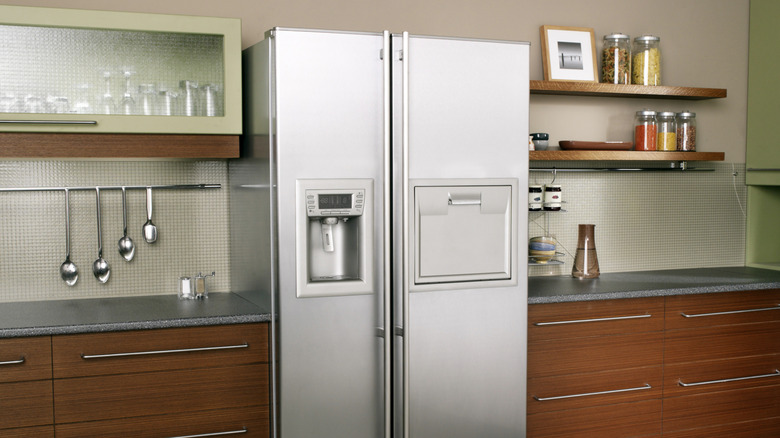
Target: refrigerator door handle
x,y
387,238
405,226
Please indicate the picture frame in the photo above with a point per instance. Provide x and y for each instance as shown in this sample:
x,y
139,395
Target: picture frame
x,y
569,53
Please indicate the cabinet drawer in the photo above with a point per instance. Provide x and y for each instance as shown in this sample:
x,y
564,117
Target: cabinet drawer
x,y
594,354
640,419
25,404
595,318
156,350
161,392
722,342
25,359
556,393
721,375
724,407
27,432
761,428
706,310
217,422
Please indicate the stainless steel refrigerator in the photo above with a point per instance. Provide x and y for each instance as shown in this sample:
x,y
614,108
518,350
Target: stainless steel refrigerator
x,y
378,213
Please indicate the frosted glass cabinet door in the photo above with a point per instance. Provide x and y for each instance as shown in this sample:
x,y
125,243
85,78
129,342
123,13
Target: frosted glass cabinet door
x,y
68,70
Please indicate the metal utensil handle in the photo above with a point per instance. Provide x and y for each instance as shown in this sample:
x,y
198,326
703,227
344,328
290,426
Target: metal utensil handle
x,y
229,432
405,227
67,224
735,379
49,122
124,209
387,237
149,203
577,321
13,362
614,391
729,312
99,235
152,352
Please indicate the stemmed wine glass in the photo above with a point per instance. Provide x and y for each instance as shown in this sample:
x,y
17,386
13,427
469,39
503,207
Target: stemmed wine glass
x,y
107,100
128,103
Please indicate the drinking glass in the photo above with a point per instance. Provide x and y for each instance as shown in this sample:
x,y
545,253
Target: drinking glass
x,y
128,103
106,105
147,99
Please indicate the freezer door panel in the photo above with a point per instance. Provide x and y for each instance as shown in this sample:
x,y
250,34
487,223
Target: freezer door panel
x,y
328,127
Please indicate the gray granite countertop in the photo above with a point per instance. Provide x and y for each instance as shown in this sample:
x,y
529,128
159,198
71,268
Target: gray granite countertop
x,y
650,284
60,317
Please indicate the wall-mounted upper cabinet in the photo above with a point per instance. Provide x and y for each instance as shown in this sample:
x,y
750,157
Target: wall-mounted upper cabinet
x,y
78,71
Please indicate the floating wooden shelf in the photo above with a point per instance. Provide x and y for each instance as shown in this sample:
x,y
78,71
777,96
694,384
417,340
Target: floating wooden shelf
x,y
613,90
56,145
624,156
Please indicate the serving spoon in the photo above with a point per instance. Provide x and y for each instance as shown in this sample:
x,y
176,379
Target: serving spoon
x,y
126,245
68,270
149,230
100,267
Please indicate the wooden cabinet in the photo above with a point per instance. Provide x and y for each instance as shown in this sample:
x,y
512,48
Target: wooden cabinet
x,y
595,368
184,381
25,391
722,363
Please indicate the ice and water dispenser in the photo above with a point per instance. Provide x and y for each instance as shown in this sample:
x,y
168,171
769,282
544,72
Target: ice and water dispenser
x,y
463,235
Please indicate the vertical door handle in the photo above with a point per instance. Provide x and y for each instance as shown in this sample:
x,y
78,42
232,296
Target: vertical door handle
x,y
387,238
405,58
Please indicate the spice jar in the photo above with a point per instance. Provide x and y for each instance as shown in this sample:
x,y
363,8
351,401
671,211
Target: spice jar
x,y
616,59
644,130
667,131
686,131
552,197
535,198
646,63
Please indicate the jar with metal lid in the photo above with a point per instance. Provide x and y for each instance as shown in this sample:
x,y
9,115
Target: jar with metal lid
x,y
646,61
552,197
616,59
686,131
667,131
645,130
535,196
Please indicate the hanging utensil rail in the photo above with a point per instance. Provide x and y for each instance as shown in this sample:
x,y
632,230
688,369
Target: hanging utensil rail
x,y
155,187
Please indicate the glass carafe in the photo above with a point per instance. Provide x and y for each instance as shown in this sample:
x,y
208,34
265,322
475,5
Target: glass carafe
x,y
586,263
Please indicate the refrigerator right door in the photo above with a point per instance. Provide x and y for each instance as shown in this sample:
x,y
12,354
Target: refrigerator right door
x,y
461,169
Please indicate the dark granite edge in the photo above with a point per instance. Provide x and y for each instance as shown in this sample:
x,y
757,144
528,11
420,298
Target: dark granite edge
x,y
652,293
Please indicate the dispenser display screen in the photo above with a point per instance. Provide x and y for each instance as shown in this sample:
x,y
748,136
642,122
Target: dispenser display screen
x,y
335,201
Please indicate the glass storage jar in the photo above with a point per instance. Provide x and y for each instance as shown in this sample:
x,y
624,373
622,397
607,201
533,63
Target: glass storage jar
x,y
616,59
686,131
645,130
552,197
667,131
646,62
535,198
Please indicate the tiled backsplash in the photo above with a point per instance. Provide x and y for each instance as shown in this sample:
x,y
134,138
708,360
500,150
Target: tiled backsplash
x,y
193,228
644,221
647,219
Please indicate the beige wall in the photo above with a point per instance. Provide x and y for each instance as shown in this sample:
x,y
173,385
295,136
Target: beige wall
x,y
704,44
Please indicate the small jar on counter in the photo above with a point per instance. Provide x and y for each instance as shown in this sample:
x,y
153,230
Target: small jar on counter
x,y
552,197
535,198
686,131
646,62
645,130
616,59
667,131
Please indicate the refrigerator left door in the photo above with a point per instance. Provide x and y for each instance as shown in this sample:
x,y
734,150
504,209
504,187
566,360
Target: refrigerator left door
x,y
327,118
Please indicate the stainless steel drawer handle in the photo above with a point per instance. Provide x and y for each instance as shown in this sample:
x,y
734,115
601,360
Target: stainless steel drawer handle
x,y
614,391
735,379
730,312
13,362
229,432
146,353
49,122
577,321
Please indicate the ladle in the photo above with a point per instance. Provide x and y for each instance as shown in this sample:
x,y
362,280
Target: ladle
x,y
149,230
68,270
100,267
126,245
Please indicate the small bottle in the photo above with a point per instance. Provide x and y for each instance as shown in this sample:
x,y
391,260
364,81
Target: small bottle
x,y
535,198
646,63
667,131
552,197
616,59
686,131
645,130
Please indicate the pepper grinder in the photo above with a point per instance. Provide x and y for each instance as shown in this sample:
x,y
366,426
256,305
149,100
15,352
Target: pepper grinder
x,y
201,291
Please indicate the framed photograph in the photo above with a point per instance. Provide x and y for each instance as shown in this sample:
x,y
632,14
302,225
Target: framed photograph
x,y
569,54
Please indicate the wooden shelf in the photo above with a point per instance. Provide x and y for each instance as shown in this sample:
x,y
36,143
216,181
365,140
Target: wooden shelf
x,y
624,156
56,145
612,90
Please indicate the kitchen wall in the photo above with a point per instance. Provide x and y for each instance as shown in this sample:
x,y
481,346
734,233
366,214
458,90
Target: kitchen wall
x,y
704,44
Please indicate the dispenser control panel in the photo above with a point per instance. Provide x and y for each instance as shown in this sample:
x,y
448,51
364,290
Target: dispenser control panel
x,y
335,202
